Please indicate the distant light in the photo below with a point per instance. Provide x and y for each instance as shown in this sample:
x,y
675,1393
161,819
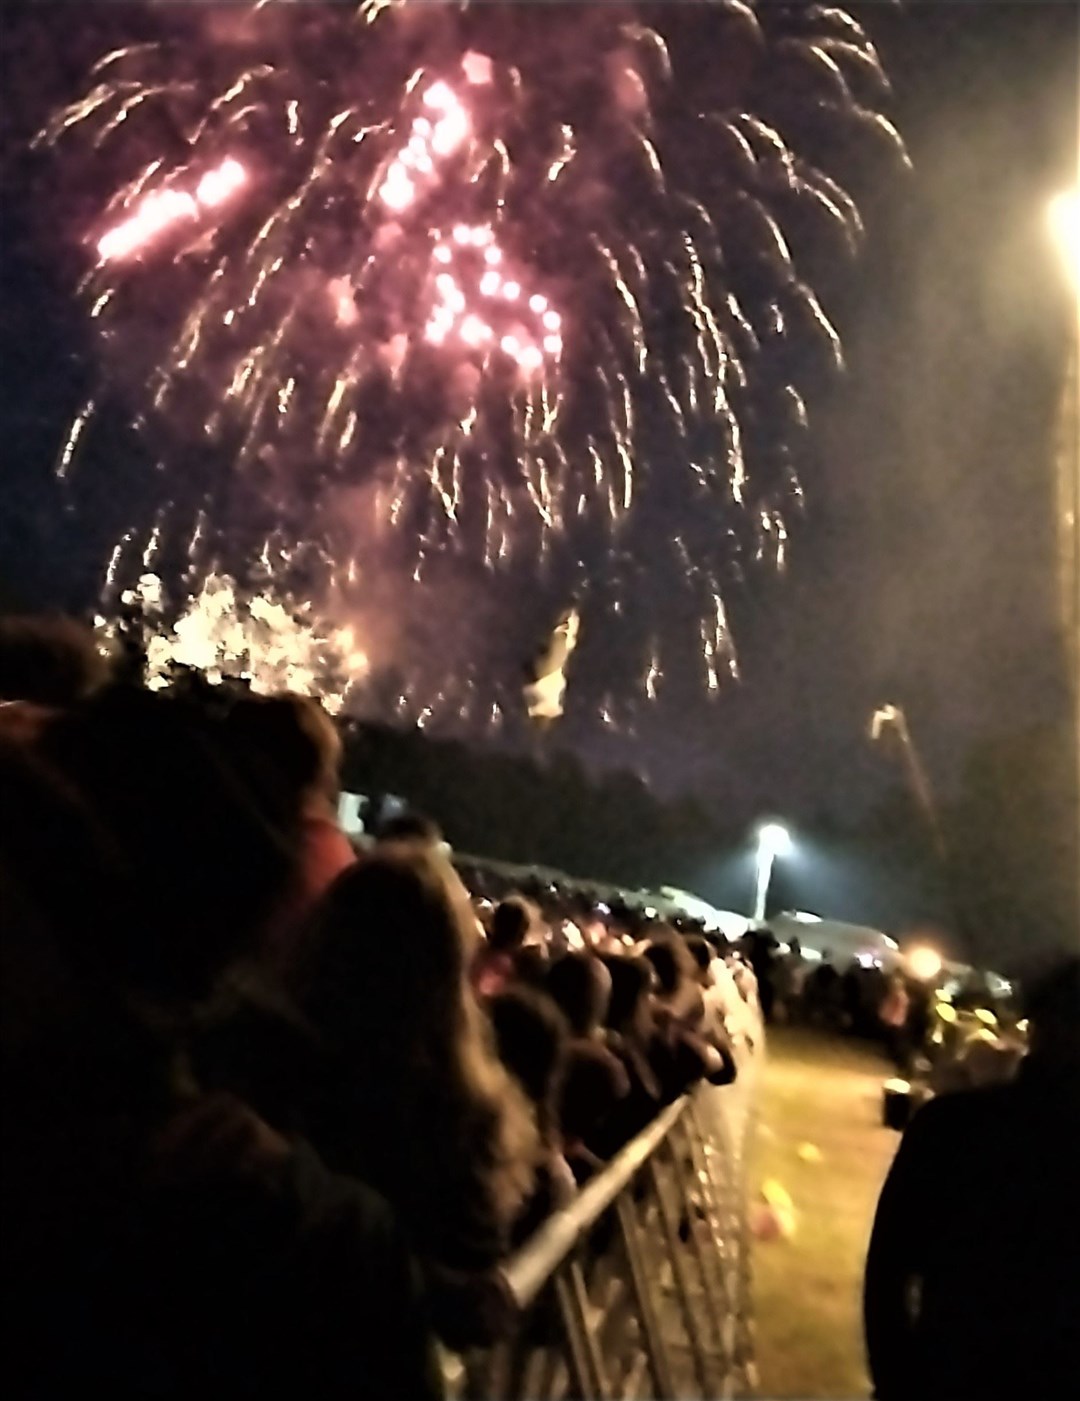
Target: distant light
x,y
774,839
897,1087
1064,216
924,962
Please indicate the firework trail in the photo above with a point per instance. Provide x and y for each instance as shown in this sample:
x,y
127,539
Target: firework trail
x,y
477,307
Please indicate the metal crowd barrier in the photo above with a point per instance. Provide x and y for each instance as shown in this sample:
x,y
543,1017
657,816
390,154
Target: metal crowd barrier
x,y
640,1286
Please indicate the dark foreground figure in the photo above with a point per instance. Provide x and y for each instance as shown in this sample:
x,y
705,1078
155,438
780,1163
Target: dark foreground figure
x,y
973,1273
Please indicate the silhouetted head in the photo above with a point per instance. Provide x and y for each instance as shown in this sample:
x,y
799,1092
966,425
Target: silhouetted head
x,y
51,661
202,865
292,742
385,986
1052,1005
580,986
509,926
389,954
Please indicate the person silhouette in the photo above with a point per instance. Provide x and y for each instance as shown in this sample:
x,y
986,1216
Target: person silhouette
x,y
972,1283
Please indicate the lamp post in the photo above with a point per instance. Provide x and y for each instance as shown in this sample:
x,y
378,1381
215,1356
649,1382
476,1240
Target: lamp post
x,y
773,841
1064,218
891,719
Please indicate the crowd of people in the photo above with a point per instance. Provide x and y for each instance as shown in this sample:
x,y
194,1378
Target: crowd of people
x,y
277,1110
950,1036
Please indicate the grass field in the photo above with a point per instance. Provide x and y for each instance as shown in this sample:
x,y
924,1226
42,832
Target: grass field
x,y
808,1289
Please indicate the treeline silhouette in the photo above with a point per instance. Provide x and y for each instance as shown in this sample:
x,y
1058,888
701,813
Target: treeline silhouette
x,y
537,809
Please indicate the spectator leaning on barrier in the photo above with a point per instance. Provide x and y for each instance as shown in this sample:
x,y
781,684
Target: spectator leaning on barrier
x,y
259,1134
418,1104
595,1080
631,1027
682,1051
159,1241
533,1039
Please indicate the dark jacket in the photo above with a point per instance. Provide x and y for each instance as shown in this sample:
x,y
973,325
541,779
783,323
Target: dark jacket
x,y
973,1273
130,1274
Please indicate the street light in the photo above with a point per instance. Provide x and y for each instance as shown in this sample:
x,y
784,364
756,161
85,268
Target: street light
x,y
924,963
890,719
1064,215
773,841
1064,219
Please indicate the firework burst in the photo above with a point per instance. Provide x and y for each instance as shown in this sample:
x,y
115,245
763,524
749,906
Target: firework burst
x,y
269,642
460,293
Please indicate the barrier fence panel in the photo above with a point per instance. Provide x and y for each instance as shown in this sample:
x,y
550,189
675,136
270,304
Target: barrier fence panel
x,y
640,1286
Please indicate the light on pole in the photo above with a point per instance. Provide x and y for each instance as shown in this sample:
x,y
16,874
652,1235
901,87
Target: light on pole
x,y
773,841
1064,215
891,719
1064,219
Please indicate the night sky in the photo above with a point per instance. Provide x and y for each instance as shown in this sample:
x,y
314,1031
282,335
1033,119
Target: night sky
x,y
922,570
923,573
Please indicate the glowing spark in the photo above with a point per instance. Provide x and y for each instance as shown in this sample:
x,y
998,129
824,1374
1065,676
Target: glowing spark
x,y
166,208
74,434
264,639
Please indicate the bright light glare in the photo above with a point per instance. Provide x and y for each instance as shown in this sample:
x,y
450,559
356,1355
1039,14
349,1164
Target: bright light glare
x,y
1064,215
774,839
924,962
